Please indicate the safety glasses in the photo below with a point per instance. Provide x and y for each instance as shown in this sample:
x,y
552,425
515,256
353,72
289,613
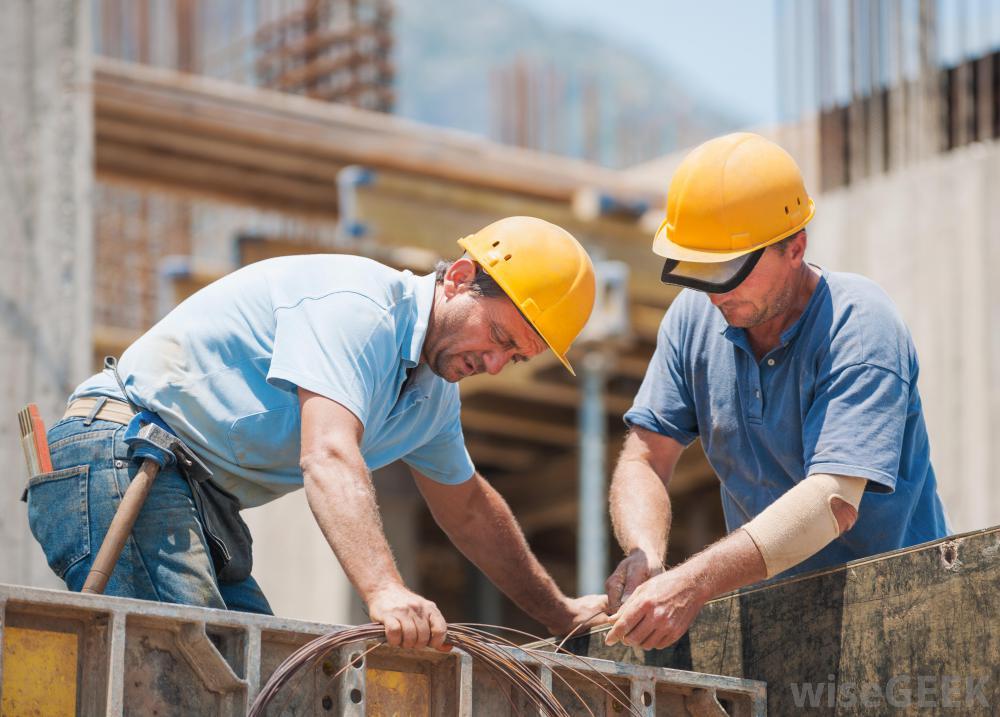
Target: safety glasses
x,y
714,278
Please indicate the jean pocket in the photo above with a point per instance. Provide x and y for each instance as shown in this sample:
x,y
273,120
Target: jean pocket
x,y
59,516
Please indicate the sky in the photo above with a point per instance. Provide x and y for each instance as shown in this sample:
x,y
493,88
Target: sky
x,y
724,49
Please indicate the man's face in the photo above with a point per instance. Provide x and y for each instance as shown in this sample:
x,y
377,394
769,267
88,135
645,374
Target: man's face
x,y
470,334
767,292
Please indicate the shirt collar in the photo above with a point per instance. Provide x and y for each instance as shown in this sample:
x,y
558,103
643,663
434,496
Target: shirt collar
x,y
821,287
423,292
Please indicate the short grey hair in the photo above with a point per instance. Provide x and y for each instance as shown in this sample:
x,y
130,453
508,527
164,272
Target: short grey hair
x,y
482,283
782,245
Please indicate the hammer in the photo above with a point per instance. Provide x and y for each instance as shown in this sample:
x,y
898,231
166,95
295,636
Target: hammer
x,y
158,447
121,527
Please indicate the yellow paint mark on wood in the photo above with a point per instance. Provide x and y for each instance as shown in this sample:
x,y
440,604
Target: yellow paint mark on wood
x,y
39,673
391,693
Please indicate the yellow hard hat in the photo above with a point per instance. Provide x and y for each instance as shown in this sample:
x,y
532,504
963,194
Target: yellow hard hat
x,y
544,271
729,199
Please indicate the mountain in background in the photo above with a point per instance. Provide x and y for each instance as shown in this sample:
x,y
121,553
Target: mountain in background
x,y
496,69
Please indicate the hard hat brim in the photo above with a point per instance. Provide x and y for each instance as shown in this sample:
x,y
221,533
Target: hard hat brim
x,y
662,245
710,277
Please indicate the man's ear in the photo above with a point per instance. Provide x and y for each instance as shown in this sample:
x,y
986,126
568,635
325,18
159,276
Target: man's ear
x,y
459,276
797,248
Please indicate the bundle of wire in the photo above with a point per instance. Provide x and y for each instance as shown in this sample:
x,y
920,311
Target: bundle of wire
x,y
482,646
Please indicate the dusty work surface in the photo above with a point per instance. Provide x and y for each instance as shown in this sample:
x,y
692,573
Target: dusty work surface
x,y
915,631
71,654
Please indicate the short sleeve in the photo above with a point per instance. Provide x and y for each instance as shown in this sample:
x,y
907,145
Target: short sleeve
x,y
664,404
855,425
444,458
339,346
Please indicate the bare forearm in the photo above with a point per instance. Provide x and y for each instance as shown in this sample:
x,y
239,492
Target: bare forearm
x,y
491,538
726,565
342,499
640,508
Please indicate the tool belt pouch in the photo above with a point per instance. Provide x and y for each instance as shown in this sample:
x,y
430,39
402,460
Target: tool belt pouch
x,y
228,537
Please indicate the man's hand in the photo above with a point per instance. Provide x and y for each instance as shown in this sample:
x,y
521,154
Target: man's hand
x,y
659,611
638,567
581,614
410,620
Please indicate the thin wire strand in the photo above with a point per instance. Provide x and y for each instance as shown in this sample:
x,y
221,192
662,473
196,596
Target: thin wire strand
x,y
488,651
621,698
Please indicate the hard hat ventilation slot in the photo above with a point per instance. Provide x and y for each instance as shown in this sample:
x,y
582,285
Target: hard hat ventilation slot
x,y
798,201
507,258
496,244
786,210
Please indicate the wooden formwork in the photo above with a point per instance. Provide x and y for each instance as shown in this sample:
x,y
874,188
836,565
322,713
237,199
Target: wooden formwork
x,y
915,631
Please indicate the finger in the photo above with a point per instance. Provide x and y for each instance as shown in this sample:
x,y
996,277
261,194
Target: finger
x,y
614,586
423,625
597,621
409,631
665,640
640,631
393,631
633,579
439,629
625,622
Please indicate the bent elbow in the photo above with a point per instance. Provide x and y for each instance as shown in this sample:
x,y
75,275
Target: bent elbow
x,y
845,514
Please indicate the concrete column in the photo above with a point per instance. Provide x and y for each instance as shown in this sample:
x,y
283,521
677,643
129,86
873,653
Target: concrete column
x,y
46,160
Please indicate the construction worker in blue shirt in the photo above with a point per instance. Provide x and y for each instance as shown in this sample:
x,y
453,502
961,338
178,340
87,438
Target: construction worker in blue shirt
x,y
801,384
315,370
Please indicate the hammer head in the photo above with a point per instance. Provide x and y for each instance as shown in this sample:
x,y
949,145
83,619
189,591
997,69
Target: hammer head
x,y
149,437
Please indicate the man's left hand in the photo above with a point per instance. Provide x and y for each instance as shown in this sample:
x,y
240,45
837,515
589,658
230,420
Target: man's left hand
x,y
581,614
658,613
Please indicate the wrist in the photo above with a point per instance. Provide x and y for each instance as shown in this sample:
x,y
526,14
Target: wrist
x,y
651,554
559,614
379,588
697,578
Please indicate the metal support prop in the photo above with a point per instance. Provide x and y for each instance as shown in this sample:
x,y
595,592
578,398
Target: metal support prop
x,y
592,536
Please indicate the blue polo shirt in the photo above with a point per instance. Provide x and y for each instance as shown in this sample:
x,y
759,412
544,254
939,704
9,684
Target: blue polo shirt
x,y
223,369
837,395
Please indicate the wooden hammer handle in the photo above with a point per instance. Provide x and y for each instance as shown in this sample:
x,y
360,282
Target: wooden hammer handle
x,y
120,528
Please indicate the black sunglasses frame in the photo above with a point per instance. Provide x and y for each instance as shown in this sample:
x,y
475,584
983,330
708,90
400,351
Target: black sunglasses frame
x,y
712,288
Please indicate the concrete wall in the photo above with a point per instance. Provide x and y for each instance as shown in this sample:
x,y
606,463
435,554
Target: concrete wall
x,y
930,235
46,148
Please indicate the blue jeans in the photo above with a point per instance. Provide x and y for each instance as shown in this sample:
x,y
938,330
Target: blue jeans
x,y
166,558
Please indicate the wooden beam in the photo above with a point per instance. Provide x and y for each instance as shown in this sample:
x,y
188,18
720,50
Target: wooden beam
x,y
557,394
502,455
434,214
112,130
202,178
524,429
630,367
208,108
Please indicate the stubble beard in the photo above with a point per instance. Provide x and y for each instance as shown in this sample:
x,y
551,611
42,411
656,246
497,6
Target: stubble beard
x,y
761,314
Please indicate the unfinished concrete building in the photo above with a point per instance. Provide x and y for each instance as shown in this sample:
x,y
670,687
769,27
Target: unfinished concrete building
x,y
150,150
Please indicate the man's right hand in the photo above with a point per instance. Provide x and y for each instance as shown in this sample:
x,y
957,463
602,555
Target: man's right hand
x,y
410,620
638,567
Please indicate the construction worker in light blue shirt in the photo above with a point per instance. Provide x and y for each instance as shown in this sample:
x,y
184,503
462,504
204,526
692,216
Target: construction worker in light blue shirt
x,y
315,370
800,383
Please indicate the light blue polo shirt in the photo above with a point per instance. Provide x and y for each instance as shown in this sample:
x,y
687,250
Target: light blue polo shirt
x,y
838,395
222,369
